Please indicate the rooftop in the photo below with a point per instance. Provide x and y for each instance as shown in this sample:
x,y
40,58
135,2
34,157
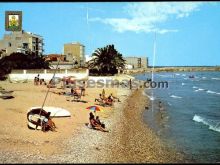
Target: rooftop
x,y
74,43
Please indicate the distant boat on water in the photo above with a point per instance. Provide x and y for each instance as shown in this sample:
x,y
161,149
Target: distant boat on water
x,y
191,76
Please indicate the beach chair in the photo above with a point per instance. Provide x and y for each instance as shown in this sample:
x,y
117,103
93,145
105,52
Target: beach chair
x,y
74,97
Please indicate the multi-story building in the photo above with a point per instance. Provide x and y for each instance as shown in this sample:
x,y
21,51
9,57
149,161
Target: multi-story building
x,y
137,62
21,41
75,52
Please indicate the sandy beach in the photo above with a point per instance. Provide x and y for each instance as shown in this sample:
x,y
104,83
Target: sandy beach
x,y
129,139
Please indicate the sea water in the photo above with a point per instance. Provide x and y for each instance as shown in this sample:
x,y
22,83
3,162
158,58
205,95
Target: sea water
x,y
189,116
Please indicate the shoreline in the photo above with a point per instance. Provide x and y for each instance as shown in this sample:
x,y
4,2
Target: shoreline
x,y
138,142
172,69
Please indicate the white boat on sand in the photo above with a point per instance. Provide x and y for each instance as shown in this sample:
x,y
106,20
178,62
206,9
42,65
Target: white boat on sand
x,y
35,115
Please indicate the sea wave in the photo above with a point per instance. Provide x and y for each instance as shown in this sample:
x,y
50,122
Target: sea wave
x,y
150,97
165,75
211,92
200,89
177,97
183,83
213,124
195,87
215,78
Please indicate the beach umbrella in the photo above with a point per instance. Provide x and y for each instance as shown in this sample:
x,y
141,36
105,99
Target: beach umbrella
x,y
56,80
94,108
70,79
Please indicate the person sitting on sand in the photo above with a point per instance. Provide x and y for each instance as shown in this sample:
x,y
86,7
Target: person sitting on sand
x,y
41,81
37,79
74,92
100,99
99,122
114,97
108,101
48,124
95,124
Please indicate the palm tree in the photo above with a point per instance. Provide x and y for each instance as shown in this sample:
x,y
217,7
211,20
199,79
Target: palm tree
x,y
107,60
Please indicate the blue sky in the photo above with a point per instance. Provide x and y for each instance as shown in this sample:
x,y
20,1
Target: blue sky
x,y
187,33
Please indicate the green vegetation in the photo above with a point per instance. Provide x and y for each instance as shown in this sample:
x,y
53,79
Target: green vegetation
x,y
21,61
106,61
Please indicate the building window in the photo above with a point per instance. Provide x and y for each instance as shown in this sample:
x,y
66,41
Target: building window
x,y
139,62
9,44
25,45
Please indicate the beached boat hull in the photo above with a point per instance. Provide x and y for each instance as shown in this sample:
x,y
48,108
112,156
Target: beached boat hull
x,y
35,115
54,111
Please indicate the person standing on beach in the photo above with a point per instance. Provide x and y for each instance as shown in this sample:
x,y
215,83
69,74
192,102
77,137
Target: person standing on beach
x,y
161,109
160,104
83,88
38,79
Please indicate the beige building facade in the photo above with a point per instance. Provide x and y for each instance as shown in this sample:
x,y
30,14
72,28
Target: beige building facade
x,y
22,42
75,52
137,62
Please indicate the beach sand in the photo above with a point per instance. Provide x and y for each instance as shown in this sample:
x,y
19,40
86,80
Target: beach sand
x,y
129,139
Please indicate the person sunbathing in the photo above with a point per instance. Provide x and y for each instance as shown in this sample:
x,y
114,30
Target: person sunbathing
x,y
105,101
108,101
94,124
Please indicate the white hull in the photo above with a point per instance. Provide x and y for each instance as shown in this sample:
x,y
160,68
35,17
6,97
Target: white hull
x,y
33,126
35,119
55,111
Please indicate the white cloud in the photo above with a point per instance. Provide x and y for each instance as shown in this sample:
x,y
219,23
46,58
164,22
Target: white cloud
x,y
148,16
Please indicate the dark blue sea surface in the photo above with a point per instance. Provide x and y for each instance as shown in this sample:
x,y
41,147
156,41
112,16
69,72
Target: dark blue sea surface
x,y
189,116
